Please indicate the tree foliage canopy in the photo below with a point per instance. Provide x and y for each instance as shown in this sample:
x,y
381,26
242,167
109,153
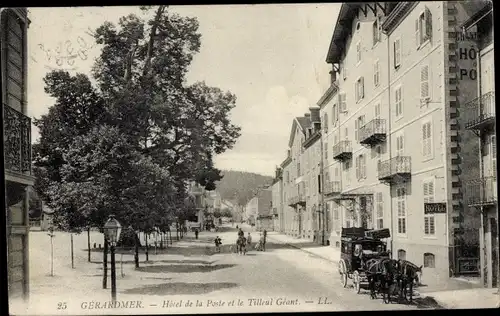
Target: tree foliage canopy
x,y
129,144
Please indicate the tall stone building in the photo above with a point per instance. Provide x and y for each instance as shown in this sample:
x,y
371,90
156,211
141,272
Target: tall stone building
x,y
398,152
481,192
17,146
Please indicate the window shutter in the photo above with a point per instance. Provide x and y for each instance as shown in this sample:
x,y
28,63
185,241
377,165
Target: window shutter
x,y
430,190
424,82
493,155
426,192
362,84
417,32
429,138
428,24
356,125
377,111
397,52
363,168
376,75
375,32
356,90
346,132
357,167
358,51
343,103
424,140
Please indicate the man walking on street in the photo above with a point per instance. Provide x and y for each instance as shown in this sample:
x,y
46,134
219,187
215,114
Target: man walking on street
x,y
249,241
264,240
196,233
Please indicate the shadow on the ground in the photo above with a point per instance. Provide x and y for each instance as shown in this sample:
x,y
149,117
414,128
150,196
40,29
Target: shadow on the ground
x,y
426,302
179,288
161,261
184,268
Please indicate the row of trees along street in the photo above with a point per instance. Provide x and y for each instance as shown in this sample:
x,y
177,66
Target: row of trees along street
x,y
128,141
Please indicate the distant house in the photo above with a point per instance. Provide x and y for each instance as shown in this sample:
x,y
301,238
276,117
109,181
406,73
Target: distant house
x,y
258,210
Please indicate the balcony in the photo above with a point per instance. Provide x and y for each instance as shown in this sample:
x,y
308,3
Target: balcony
x,y
480,112
481,192
297,200
394,169
332,187
373,132
342,150
17,142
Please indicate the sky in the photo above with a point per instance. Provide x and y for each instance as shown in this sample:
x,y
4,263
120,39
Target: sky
x,y
272,57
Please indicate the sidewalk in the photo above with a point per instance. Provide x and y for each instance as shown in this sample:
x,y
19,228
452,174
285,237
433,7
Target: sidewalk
x,y
449,293
328,253
466,299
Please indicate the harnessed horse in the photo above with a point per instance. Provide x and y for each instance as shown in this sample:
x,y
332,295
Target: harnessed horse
x,y
409,273
241,245
382,274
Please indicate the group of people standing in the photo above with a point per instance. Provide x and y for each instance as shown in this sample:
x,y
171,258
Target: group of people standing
x,y
247,241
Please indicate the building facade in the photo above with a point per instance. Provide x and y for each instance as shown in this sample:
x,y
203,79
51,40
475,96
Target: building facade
x,y
199,196
277,200
392,134
258,210
481,193
301,184
17,146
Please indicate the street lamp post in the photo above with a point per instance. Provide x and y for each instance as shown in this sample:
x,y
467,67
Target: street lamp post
x,y
112,230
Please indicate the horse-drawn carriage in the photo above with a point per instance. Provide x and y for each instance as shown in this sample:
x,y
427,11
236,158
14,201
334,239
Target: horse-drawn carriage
x,y
358,246
367,262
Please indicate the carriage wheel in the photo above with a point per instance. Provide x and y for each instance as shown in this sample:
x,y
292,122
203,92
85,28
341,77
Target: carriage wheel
x,y
356,282
386,294
409,292
343,273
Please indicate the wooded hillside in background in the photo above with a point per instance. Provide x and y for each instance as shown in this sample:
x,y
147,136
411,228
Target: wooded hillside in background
x,y
239,186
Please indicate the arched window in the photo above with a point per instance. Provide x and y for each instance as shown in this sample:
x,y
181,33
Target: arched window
x,y
429,260
401,254
337,244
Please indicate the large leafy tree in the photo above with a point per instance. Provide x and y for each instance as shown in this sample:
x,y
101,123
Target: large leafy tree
x,y
157,128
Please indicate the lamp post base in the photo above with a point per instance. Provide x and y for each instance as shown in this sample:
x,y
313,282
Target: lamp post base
x,y
113,274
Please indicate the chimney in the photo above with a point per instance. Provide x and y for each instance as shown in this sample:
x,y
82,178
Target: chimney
x,y
308,115
314,114
333,76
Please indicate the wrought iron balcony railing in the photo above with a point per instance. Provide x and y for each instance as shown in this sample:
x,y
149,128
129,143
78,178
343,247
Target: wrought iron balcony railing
x,y
373,132
480,112
342,150
482,191
17,141
332,187
298,199
396,167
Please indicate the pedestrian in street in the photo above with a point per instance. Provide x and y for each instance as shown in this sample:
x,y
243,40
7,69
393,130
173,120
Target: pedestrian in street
x,y
264,241
249,241
237,227
196,233
218,243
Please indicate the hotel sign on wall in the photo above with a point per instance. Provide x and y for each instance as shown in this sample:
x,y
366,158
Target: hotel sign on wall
x,y
434,208
467,53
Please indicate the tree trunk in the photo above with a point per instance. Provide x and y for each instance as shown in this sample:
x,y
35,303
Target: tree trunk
x,y
147,250
88,242
105,264
136,254
177,230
